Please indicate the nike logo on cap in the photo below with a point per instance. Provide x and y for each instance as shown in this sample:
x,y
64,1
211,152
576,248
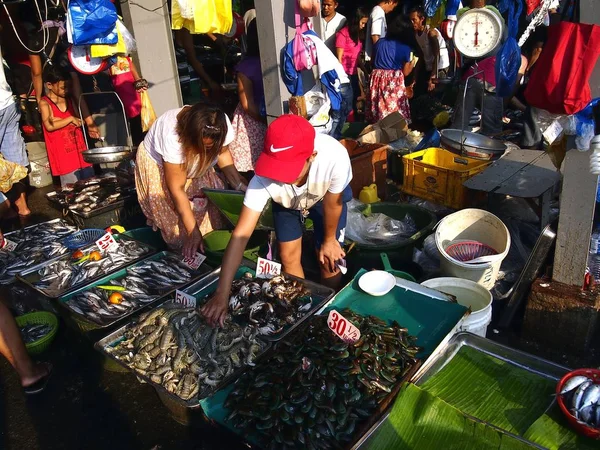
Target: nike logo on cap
x,y
276,150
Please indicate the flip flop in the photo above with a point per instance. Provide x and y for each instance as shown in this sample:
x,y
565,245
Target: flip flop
x,y
40,384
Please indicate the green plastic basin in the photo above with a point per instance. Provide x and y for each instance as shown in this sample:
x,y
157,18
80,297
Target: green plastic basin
x,y
216,242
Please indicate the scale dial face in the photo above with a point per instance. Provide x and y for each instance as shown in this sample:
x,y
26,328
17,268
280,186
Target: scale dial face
x,y
80,59
478,32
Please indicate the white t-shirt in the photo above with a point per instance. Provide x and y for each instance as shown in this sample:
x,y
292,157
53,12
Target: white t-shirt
x,y
162,142
329,172
330,28
376,25
6,95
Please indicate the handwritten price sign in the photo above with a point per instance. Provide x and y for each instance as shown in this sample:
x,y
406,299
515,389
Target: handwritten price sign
x,y
342,327
107,243
187,300
194,263
7,245
267,269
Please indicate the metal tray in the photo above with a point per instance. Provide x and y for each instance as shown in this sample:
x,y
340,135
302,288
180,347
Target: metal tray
x,y
443,355
95,212
12,234
117,336
319,293
86,324
31,275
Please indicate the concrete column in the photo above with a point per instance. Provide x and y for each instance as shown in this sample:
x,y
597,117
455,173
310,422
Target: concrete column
x,y
578,198
276,28
150,23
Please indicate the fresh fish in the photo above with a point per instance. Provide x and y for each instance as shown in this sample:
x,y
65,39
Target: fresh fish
x,y
34,332
142,284
573,383
67,272
591,396
578,396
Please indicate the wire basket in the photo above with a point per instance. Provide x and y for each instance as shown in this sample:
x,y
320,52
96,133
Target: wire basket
x,y
41,318
468,250
82,238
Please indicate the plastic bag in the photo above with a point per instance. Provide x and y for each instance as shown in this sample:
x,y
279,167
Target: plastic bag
x,y
508,61
186,9
104,50
128,39
93,22
431,6
148,115
304,50
308,8
317,110
363,227
585,125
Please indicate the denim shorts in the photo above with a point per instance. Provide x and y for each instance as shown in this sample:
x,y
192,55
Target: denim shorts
x,y
289,226
12,145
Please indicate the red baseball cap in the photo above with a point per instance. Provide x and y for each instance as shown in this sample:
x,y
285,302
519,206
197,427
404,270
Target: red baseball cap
x,y
289,142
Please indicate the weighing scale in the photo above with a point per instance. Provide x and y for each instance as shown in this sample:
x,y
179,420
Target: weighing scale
x,y
83,62
478,33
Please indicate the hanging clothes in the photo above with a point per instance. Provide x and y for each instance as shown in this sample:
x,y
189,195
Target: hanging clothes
x,y
209,16
123,82
559,80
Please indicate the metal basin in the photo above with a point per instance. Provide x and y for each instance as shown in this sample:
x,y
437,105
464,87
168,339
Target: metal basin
x,y
473,145
107,154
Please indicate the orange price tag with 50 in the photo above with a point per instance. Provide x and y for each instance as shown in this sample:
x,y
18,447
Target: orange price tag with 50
x,y
342,327
267,269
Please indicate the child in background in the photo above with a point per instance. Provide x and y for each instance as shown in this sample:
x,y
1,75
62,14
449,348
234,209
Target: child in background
x,y
62,129
128,85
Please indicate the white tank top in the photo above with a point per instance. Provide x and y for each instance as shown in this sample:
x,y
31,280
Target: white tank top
x,y
423,40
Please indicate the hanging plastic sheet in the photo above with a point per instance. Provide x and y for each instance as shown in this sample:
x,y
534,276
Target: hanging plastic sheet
x,y
93,22
436,20
210,16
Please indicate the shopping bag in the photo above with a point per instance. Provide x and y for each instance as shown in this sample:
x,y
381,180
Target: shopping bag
x,y
508,62
572,46
210,16
93,22
148,115
10,173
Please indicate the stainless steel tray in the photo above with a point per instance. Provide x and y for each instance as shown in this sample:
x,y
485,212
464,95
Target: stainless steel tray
x,y
13,235
117,336
319,293
31,275
443,355
87,325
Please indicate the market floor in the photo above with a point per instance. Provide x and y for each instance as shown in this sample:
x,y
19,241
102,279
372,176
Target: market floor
x,y
88,407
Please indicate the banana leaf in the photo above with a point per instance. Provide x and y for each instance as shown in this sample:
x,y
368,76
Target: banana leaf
x,y
492,390
552,431
419,420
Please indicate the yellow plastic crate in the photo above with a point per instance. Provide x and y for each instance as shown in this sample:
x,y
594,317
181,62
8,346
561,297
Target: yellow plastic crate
x,y
438,175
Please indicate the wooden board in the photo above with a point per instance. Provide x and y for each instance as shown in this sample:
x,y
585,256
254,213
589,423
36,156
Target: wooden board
x,y
520,173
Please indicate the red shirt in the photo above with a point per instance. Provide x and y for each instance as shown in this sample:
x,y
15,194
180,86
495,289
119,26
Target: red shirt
x,y
64,146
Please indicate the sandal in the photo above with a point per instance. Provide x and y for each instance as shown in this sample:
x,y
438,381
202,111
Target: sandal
x,y
40,384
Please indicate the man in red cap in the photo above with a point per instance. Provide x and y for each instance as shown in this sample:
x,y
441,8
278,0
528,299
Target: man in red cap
x,y
305,175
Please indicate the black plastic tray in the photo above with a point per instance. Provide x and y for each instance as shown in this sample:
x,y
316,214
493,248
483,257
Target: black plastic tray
x,y
117,336
320,294
86,325
31,275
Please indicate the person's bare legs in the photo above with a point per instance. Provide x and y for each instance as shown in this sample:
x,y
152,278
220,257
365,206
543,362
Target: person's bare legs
x,y
291,254
13,349
21,204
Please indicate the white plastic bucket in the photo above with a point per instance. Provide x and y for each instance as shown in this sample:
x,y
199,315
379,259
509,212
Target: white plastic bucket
x,y
476,225
469,294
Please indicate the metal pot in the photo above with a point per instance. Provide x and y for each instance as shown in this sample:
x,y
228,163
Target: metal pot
x,y
107,154
472,145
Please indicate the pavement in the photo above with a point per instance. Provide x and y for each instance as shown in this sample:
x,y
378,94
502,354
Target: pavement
x,y
86,406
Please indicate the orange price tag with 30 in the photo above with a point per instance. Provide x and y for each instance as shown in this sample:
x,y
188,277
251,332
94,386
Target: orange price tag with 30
x,y
342,327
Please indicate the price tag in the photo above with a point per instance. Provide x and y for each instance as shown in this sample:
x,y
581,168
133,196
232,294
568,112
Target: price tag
x,y
342,327
552,132
107,243
7,245
194,263
184,299
267,269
